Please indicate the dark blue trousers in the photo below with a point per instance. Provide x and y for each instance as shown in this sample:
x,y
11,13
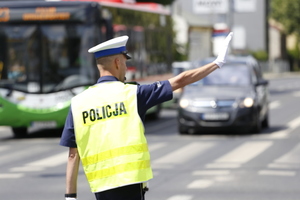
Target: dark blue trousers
x,y
129,192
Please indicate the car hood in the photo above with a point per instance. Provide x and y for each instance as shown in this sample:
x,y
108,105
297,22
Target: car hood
x,y
217,92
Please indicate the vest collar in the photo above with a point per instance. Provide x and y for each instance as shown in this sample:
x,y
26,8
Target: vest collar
x,y
107,79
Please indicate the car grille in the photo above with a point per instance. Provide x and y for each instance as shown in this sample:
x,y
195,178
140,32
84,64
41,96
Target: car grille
x,y
213,103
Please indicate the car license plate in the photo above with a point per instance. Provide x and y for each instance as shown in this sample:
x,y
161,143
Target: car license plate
x,y
43,124
215,116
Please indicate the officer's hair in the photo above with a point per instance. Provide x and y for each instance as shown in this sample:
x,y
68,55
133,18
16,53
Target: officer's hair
x,y
106,61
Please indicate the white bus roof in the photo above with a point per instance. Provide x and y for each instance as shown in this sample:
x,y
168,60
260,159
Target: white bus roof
x,y
145,7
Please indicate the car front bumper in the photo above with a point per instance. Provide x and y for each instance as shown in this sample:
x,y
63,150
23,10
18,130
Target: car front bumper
x,y
228,118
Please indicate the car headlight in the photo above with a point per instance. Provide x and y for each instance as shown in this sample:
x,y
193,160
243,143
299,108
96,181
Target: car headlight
x,y
247,102
184,103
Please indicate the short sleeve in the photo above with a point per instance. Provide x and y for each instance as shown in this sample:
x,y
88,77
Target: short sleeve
x,y
153,94
68,134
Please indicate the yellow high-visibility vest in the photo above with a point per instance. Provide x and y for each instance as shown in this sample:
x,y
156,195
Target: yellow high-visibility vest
x,y
110,136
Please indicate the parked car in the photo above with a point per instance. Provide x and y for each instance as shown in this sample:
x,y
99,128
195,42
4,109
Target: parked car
x,y
234,97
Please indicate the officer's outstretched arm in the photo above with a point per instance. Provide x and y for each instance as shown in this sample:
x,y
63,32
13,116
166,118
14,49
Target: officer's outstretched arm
x,y
193,75
72,174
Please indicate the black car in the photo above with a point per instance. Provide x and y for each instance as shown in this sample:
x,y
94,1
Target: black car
x,y
234,97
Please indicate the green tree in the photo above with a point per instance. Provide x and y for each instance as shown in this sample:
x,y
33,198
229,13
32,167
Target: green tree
x,y
288,14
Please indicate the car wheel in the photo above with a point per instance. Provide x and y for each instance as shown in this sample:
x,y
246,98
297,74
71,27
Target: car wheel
x,y
182,129
20,132
265,122
256,128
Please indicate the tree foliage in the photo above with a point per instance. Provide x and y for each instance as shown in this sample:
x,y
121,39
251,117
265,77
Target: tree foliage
x,y
158,37
163,2
287,12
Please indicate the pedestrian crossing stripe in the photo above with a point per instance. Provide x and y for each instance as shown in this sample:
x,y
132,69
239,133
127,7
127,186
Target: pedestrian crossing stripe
x,y
277,173
245,152
234,158
185,153
181,197
11,175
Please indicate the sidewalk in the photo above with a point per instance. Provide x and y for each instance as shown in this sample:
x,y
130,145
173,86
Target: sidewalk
x,y
269,75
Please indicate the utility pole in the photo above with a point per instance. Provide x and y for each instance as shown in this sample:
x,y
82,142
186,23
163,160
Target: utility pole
x,y
230,14
230,20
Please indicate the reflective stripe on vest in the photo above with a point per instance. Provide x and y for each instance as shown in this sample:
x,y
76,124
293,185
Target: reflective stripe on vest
x,y
110,136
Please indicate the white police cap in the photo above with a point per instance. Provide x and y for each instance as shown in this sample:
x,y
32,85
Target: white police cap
x,y
111,47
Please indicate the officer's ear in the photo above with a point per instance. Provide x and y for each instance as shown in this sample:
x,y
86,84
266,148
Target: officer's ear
x,y
117,62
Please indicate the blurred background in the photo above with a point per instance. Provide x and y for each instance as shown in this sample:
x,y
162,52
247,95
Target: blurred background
x,y
232,135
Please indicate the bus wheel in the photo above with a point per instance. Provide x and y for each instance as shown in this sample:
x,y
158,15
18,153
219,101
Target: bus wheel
x,y
19,132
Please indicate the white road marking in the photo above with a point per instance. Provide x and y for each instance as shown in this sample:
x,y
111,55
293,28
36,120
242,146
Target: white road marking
x,y
24,153
3,148
290,160
276,173
245,152
26,169
296,94
274,104
52,161
185,153
211,172
200,184
292,125
156,146
40,165
215,175
291,157
223,165
223,178
11,176
181,197
283,166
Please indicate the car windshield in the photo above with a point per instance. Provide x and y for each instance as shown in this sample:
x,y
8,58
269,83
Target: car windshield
x,y
229,75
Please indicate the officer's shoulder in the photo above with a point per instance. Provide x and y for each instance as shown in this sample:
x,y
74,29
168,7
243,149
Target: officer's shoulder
x,y
132,83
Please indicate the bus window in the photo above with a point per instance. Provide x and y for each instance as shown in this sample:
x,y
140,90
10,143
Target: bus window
x,y
1,69
68,62
22,63
48,58
2,56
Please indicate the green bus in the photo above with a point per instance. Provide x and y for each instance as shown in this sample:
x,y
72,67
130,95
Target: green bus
x,y
44,59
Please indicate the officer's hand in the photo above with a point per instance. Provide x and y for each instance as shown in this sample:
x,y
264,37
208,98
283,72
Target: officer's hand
x,y
221,59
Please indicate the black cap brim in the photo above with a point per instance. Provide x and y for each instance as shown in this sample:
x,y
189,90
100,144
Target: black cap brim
x,y
125,53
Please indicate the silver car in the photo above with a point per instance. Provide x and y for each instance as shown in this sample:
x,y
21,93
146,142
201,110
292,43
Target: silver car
x,y
232,98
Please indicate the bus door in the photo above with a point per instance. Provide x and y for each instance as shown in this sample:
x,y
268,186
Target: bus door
x,y
67,63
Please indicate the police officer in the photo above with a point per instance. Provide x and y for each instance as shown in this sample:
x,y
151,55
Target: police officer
x,y
104,128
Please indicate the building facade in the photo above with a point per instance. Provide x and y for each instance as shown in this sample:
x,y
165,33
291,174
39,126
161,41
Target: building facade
x,y
248,19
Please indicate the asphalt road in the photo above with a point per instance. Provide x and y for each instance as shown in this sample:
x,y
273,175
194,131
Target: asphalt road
x,y
262,166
